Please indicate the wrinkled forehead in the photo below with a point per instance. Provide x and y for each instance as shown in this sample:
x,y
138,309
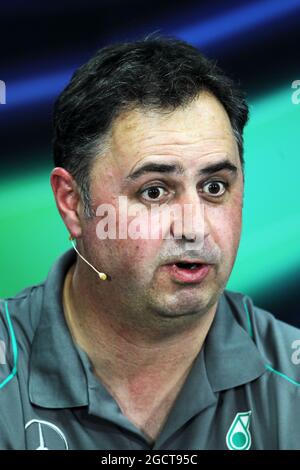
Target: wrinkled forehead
x,y
200,131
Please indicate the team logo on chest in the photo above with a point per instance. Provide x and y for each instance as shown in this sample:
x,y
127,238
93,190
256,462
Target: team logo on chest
x,y
238,436
47,435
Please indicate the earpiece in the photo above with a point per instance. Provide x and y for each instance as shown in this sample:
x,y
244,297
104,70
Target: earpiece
x,y
102,276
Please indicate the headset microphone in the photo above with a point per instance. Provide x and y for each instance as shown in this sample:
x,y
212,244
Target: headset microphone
x,y
102,276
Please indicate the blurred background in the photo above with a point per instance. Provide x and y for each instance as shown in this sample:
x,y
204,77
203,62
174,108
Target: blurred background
x,y
256,42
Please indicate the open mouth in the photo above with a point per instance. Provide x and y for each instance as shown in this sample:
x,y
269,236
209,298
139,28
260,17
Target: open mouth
x,y
188,266
187,273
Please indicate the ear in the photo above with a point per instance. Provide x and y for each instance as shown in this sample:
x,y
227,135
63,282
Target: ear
x,y
67,198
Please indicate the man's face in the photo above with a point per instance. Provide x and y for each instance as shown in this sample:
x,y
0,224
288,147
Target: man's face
x,y
191,138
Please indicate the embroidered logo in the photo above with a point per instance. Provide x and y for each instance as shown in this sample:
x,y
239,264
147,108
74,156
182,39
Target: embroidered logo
x,y
238,436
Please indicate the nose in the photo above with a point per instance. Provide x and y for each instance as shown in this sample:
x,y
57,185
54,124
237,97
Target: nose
x,y
189,222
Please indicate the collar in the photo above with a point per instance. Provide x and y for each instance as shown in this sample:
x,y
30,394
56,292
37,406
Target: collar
x,y
223,363
57,377
60,376
231,356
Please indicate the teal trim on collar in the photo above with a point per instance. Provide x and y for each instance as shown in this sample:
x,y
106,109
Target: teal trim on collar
x,y
14,348
268,366
284,376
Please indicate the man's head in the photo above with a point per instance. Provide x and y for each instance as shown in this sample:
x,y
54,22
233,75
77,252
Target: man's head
x,y
157,102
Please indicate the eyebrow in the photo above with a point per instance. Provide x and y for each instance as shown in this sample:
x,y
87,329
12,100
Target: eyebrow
x,y
215,167
178,169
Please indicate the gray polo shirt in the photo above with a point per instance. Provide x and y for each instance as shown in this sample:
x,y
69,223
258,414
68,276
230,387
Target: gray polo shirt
x,y
241,393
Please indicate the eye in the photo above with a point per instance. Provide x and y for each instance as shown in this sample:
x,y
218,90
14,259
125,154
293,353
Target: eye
x,y
153,193
215,188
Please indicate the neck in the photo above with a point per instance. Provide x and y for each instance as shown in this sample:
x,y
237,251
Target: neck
x,y
126,352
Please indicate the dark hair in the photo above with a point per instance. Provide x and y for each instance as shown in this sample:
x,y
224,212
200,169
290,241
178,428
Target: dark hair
x,y
153,73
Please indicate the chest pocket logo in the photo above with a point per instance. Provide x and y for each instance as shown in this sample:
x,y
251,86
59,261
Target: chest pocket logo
x,y
238,436
47,435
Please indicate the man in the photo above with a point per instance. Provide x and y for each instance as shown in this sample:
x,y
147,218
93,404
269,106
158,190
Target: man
x,y
133,342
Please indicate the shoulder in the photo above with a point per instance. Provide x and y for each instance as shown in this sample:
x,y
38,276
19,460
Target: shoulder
x,y
277,341
19,317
